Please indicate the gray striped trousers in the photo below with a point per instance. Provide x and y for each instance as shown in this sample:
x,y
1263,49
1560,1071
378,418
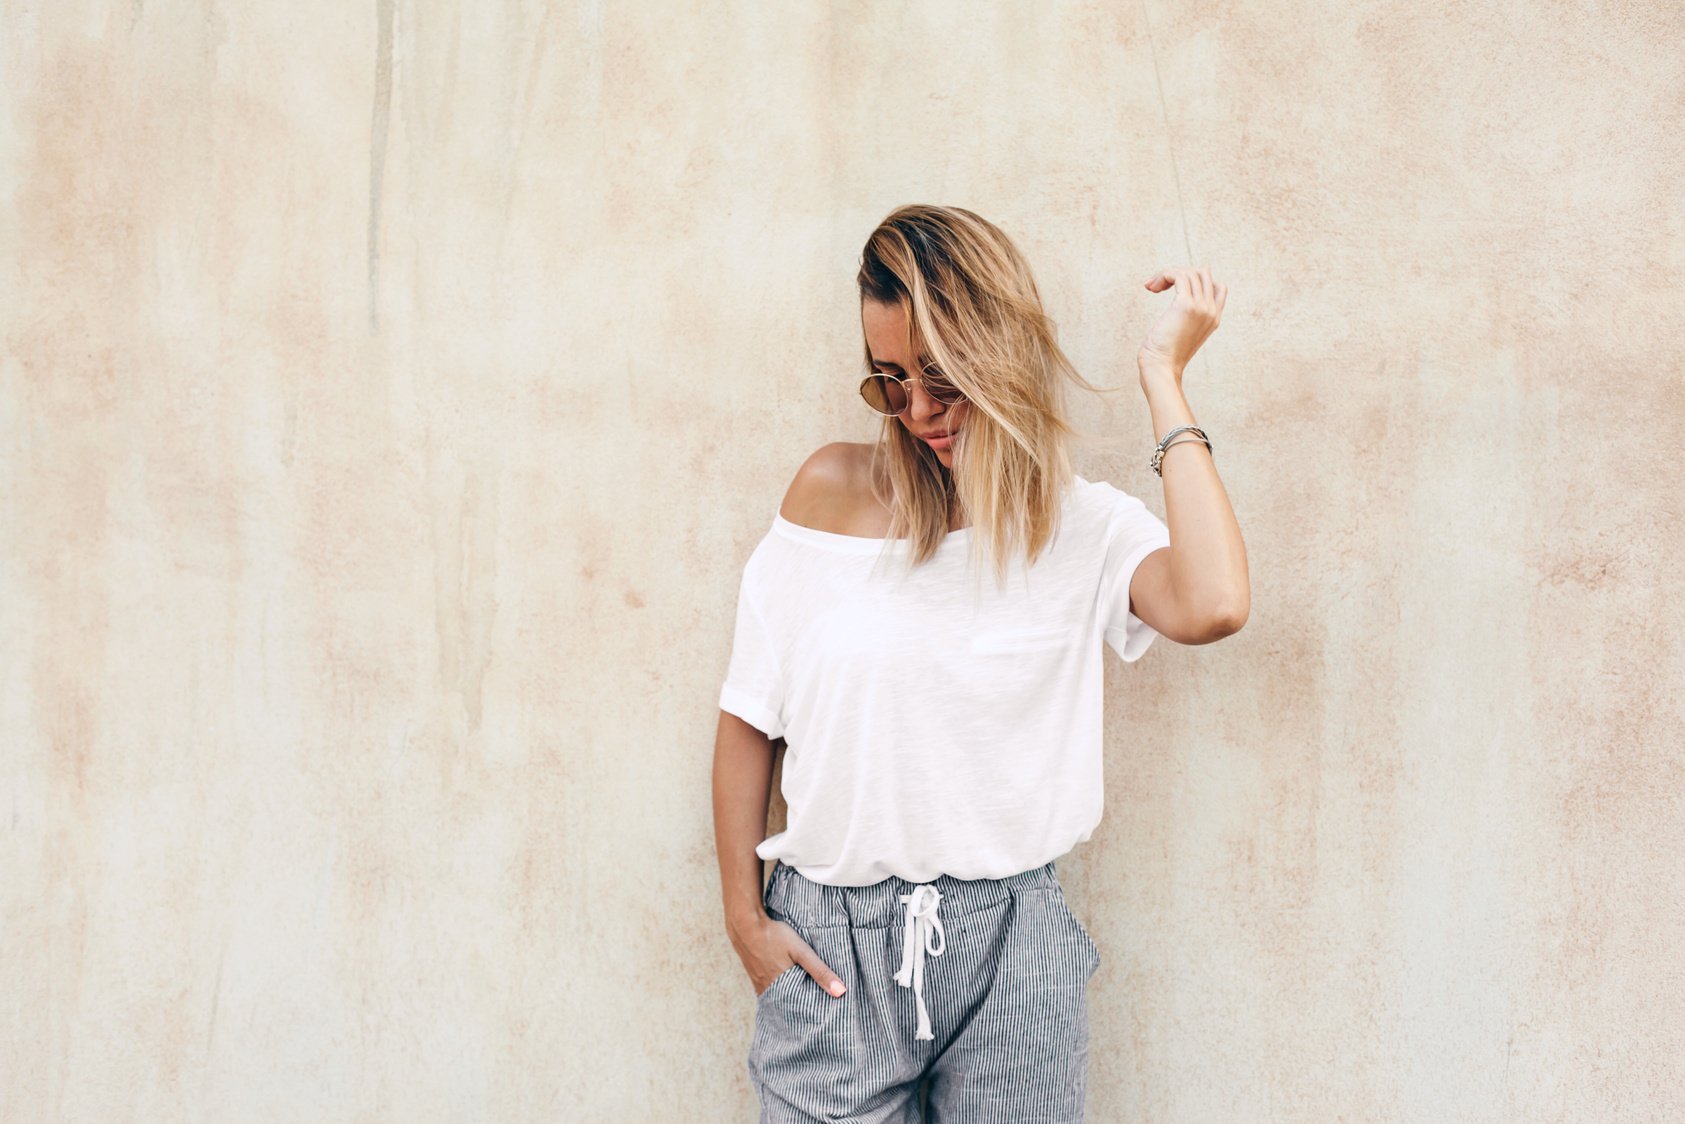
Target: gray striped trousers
x,y
971,995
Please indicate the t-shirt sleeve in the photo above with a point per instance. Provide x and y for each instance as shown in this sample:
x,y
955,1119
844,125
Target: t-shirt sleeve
x,y
754,681
1134,533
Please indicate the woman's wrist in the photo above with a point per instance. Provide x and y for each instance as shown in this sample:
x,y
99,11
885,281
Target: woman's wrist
x,y
1157,373
744,919
1165,401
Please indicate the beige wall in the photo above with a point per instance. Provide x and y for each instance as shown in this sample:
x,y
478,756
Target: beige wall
x,y
391,393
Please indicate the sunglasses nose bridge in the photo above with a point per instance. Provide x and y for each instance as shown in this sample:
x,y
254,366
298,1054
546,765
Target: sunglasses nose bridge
x,y
896,392
925,405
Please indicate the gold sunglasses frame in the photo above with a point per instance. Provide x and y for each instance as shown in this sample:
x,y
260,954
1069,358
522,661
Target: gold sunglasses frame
x,y
904,380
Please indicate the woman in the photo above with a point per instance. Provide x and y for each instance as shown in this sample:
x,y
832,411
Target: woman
x,y
944,733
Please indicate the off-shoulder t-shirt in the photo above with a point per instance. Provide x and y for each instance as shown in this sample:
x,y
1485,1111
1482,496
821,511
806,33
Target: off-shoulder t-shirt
x,y
933,724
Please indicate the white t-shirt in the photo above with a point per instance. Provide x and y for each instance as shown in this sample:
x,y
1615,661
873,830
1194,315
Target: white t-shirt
x,y
927,732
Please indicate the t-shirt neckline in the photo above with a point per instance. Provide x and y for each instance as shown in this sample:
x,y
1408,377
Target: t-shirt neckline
x,y
857,544
862,544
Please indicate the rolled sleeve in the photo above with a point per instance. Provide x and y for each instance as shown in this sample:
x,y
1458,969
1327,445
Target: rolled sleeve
x,y
1135,533
754,683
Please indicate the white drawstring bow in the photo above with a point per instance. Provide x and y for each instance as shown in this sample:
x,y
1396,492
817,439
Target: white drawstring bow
x,y
922,922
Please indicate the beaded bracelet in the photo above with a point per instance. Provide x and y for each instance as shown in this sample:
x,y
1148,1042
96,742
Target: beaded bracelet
x,y
1165,443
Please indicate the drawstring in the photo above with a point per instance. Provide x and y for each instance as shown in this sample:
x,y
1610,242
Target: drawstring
x,y
922,920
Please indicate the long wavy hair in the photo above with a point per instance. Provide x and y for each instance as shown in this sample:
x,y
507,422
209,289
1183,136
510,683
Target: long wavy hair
x,y
973,307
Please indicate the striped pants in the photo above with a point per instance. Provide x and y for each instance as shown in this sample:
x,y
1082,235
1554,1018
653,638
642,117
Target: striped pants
x,y
976,988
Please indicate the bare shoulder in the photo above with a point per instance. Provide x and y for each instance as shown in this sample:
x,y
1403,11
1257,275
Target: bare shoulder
x,y
831,490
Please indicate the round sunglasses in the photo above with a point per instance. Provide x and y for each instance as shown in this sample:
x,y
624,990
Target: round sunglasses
x,y
888,394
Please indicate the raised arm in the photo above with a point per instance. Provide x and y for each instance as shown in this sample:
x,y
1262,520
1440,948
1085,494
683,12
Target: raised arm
x,y
1198,590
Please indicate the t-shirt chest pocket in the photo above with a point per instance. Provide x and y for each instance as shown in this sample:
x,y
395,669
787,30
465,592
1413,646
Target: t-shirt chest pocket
x,y
1020,639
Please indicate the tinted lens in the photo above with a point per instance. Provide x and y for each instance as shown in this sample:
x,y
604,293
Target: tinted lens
x,y
941,389
883,394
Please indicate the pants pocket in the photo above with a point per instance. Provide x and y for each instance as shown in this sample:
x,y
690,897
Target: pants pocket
x,y
1082,931
778,981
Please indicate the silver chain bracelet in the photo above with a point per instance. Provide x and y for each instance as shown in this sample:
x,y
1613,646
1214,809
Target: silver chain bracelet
x,y
1165,443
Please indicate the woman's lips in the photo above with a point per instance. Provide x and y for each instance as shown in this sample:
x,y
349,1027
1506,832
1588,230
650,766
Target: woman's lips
x,y
940,441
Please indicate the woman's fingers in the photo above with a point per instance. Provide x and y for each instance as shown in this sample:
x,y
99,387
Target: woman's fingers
x,y
1187,322
1196,283
801,953
1165,278
819,970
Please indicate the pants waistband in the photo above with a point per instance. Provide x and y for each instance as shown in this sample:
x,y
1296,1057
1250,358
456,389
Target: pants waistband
x,y
818,905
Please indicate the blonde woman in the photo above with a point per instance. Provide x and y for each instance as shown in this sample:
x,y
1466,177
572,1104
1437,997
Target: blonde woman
x,y
924,626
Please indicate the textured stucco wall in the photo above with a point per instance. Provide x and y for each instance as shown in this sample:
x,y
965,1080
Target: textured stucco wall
x,y
391,393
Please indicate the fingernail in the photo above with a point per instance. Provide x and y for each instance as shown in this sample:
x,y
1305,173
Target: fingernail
x,y
837,987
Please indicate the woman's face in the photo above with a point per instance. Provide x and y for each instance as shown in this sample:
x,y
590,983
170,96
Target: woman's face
x,y
925,418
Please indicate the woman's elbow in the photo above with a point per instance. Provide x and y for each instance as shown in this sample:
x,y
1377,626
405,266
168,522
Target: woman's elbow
x,y
1230,618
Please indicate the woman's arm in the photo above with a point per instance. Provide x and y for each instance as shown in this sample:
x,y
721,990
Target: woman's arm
x,y
743,760
1198,590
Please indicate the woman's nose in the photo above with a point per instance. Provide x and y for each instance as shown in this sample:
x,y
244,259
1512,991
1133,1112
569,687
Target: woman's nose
x,y
921,405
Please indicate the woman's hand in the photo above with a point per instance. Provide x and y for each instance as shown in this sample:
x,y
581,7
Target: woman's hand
x,y
1187,323
768,947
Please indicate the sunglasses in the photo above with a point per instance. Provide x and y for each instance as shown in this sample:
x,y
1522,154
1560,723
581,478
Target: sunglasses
x,y
888,394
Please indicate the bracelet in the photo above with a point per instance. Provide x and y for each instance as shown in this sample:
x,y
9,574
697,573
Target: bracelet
x,y
1156,464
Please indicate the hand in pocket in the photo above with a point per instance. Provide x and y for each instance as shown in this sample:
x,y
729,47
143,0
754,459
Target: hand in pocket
x,y
774,948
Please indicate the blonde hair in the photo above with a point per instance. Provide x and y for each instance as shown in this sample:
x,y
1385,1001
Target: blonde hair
x,y
972,304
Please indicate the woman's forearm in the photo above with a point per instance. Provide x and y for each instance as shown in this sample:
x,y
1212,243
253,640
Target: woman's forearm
x,y
1208,563
743,760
